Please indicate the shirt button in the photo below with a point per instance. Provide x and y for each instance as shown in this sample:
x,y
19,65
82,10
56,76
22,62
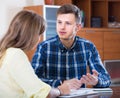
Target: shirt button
x,y
62,50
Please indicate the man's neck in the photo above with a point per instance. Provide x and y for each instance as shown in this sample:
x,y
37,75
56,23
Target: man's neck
x,y
67,42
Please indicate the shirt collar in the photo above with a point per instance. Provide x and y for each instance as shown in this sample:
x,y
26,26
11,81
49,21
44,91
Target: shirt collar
x,y
63,48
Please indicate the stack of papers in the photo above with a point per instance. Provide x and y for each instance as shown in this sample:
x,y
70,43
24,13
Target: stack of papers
x,y
105,90
86,91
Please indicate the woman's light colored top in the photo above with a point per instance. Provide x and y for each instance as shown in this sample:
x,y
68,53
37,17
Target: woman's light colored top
x,y
17,77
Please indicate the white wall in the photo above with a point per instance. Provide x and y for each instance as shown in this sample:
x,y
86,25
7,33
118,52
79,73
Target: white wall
x,y
9,8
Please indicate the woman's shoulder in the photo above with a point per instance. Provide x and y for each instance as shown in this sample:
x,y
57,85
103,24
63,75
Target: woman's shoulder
x,y
15,55
15,52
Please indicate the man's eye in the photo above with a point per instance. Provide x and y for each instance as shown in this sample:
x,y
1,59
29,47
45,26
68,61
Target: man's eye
x,y
68,23
59,22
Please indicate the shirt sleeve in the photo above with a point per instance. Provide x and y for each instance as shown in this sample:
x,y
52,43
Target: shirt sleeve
x,y
23,74
39,63
96,63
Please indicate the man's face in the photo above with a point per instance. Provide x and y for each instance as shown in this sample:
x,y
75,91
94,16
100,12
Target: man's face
x,y
66,26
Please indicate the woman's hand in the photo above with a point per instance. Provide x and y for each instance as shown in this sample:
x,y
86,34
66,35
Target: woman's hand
x,y
73,83
69,85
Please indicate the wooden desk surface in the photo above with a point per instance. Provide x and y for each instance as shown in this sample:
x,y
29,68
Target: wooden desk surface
x,y
116,91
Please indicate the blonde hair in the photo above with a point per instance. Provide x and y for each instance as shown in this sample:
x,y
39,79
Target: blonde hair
x,y
23,31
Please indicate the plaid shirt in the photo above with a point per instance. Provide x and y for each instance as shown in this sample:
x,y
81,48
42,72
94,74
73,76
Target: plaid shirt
x,y
53,63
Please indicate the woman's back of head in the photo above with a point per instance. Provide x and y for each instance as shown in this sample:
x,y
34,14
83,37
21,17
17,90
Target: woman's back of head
x,y
23,32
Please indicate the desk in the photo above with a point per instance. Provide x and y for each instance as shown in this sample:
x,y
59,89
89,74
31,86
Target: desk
x,y
115,94
116,91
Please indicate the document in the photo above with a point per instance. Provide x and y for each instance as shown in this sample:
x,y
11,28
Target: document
x,y
102,90
79,92
86,91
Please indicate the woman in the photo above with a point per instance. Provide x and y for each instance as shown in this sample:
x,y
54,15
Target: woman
x,y
17,78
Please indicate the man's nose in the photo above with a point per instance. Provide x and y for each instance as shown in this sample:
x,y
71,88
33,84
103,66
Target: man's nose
x,y
62,26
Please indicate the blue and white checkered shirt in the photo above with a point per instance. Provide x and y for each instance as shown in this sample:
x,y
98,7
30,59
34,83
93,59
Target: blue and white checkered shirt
x,y
53,63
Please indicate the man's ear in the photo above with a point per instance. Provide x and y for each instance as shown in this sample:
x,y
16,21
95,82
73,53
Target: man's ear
x,y
78,27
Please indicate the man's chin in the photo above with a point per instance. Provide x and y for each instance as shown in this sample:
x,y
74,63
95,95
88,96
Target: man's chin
x,y
63,38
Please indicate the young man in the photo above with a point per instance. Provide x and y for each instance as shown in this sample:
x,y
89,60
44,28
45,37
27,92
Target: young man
x,y
65,57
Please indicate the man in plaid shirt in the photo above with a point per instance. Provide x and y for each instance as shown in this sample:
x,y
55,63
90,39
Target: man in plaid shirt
x,y
65,57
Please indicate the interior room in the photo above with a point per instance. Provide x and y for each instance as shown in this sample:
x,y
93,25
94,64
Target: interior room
x,y
100,24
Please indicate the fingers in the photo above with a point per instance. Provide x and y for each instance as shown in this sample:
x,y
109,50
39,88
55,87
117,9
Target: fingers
x,y
64,89
86,79
95,73
73,83
90,79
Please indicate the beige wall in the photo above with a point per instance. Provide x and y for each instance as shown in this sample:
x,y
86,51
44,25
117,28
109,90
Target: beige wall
x,y
8,9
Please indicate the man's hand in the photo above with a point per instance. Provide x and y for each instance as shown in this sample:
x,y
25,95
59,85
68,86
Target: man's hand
x,y
90,79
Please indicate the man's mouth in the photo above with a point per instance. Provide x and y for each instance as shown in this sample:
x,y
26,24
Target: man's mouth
x,y
62,32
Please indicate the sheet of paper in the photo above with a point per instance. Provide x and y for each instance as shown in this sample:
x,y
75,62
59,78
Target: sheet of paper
x,y
86,91
80,92
102,89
